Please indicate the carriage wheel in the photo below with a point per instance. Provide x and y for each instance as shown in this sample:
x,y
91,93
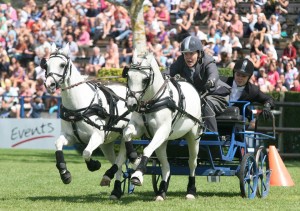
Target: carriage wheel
x,y
264,173
155,177
248,176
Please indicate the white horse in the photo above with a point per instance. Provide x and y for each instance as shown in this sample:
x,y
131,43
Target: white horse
x,y
162,112
92,114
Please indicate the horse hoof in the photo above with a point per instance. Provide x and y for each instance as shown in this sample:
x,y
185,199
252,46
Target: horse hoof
x,y
113,197
66,177
159,198
190,197
93,165
105,181
136,181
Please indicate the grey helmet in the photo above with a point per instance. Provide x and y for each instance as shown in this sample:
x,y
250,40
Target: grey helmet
x,y
244,66
191,44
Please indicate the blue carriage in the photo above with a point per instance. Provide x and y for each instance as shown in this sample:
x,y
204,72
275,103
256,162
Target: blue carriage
x,y
233,151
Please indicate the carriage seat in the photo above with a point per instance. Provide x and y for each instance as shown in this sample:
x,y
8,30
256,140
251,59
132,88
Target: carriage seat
x,y
230,115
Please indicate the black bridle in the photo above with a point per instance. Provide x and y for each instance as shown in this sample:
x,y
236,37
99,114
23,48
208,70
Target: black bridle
x,y
148,81
68,65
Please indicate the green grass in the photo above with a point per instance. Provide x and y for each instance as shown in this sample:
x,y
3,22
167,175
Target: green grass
x,y
29,180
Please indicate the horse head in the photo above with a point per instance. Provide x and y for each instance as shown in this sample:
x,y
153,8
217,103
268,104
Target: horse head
x,y
141,76
57,67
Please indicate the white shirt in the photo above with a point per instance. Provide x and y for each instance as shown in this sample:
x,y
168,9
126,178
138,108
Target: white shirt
x,y
236,92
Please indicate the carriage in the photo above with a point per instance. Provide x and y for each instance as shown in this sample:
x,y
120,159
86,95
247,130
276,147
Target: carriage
x,y
221,154
225,153
170,111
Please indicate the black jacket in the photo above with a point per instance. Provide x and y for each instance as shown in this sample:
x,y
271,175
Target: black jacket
x,y
205,70
251,93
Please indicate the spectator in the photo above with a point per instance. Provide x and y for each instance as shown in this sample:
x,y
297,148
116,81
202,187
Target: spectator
x,y
119,27
74,50
111,61
198,33
84,40
127,52
265,85
280,87
42,44
100,27
96,62
213,20
213,49
225,61
284,82
92,10
54,36
289,53
30,75
114,49
162,14
17,73
37,106
10,99
260,28
225,46
160,58
296,86
290,74
236,25
273,75
183,28
234,41
275,29
205,8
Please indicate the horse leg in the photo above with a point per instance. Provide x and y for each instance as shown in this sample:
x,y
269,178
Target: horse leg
x,y
159,138
193,146
65,175
95,141
109,153
161,154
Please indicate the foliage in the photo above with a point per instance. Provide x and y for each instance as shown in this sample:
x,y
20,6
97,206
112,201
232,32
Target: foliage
x,y
31,182
106,73
291,140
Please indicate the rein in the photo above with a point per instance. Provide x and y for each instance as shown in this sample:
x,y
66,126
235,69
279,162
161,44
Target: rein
x,y
86,81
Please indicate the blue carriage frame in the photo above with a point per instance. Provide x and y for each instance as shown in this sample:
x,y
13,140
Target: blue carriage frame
x,y
225,156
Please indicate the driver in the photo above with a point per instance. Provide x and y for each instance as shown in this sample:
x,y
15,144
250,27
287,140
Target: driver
x,y
200,70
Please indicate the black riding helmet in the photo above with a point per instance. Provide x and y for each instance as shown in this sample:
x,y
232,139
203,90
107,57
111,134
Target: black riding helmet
x,y
244,66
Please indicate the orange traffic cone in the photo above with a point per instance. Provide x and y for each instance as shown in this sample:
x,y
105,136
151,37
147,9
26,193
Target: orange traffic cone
x,y
279,175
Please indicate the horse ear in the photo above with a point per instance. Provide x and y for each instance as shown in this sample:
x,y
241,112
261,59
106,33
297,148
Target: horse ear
x,y
149,57
53,47
66,49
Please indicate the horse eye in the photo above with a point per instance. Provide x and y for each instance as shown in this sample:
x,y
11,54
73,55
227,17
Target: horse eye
x,y
145,81
62,65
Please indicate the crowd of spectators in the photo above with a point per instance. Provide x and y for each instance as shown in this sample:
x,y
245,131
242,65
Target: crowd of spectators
x,y
26,35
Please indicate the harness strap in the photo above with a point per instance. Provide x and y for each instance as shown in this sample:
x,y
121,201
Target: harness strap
x,y
75,131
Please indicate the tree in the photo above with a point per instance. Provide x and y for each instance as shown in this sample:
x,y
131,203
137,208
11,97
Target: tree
x,y
136,13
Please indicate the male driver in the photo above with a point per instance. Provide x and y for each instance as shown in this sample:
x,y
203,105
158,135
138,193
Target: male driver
x,y
200,70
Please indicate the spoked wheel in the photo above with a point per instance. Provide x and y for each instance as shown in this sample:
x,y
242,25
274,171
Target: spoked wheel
x,y
264,173
248,176
157,177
